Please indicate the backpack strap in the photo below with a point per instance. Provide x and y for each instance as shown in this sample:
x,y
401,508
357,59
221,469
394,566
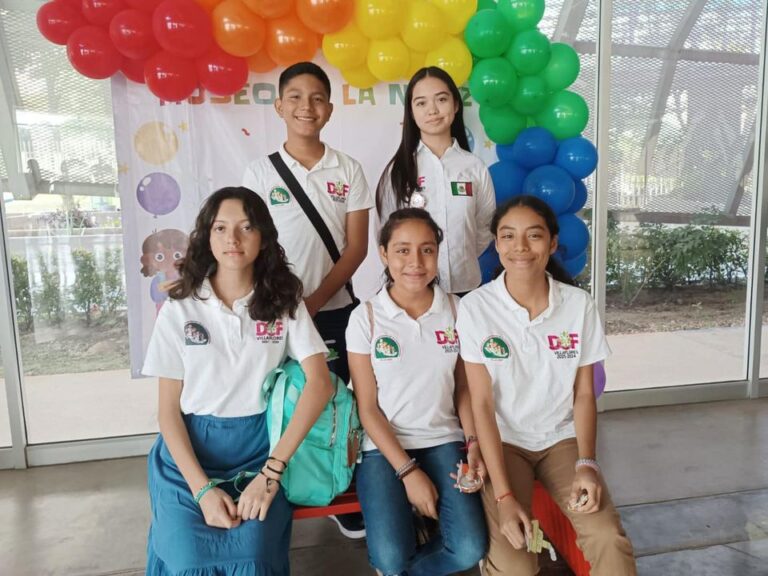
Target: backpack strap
x,y
370,315
453,305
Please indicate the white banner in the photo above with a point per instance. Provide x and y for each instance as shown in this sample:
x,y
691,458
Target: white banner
x,y
171,156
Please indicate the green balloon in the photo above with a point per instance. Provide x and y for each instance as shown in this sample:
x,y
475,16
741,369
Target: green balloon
x,y
530,96
493,81
486,5
522,14
529,52
565,114
502,124
563,67
488,34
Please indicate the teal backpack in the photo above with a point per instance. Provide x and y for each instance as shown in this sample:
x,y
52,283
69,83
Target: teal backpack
x,y
322,466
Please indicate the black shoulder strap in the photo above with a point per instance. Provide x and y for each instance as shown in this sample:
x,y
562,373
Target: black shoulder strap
x,y
309,209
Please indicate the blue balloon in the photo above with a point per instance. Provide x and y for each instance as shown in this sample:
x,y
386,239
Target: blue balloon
x,y
579,198
507,179
576,265
573,238
534,147
551,184
504,151
489,262
577,156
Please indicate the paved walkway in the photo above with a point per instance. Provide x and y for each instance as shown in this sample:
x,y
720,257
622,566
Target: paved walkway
x,y
102,404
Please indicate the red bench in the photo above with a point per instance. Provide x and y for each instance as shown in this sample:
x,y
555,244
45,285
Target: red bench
x,y
552,520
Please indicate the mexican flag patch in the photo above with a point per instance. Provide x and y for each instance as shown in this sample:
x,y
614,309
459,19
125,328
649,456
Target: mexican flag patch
x,y
461,188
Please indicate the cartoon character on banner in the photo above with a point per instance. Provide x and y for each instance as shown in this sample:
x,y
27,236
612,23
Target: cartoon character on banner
x,y
160,254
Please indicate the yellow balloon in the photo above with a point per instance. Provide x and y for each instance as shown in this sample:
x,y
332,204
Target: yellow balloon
x,y
457,13
424,26
347,48
155,143
388,59
416,63
379,19
454,57
360,77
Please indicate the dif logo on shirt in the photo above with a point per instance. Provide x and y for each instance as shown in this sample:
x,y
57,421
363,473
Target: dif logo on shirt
x,y
279,196
448,339
494,348
338,191
564,345
386,348
269,331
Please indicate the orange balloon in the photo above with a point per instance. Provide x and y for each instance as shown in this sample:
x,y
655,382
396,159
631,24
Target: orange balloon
x,y
289,41
270,8
208,5
325,16
236,29
260,62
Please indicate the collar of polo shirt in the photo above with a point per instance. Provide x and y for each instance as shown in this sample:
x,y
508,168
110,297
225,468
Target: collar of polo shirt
x,y
391,309
329,159
423,148
555,298
208,296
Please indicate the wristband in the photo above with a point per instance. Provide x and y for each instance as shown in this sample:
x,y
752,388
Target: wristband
x,y
503,496
404,468
204,490
471,439
283,462
587,463
408,471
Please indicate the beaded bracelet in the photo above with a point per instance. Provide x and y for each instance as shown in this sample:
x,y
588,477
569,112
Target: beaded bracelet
x,y
408,471
588,463
405,468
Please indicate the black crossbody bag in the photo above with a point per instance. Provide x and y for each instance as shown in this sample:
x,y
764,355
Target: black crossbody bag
x,y
311,212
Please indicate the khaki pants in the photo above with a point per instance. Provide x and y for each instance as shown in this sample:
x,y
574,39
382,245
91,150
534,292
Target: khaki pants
x,y
600,535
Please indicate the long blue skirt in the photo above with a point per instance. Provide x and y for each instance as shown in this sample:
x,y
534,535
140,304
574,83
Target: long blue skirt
x,y
180,542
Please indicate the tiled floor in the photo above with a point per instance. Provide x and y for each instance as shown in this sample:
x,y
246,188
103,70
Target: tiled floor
x,y
691,482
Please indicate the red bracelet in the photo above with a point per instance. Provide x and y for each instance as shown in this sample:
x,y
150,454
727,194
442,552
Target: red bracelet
x,y
505,495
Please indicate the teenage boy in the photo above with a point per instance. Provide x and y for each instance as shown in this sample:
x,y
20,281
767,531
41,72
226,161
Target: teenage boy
x,y
335,186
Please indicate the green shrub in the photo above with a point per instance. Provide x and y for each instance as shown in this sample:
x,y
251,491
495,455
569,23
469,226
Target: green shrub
x,y
22,293
114,294
49,301
87,290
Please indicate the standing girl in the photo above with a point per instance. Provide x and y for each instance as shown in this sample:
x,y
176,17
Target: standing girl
x,y
413,403
434,169
529,340
235,314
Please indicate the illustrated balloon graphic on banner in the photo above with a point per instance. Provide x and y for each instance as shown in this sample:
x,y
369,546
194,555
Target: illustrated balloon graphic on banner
x,y
158,193
598,378
155,143
58,20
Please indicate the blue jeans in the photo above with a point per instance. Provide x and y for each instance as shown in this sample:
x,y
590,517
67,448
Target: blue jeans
x,y
392,545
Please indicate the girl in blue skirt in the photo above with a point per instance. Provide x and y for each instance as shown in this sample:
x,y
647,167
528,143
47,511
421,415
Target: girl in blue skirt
x,y
235,314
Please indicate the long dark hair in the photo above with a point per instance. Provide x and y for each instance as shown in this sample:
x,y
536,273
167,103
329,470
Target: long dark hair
x,y
401,169
276,290
550,219
397,219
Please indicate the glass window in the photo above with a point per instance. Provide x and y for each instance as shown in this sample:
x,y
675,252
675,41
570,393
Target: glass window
x,y
682,127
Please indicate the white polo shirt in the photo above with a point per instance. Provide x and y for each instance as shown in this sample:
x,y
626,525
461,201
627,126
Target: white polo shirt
x,y
336,185
413,361
461,199
532,363
222,355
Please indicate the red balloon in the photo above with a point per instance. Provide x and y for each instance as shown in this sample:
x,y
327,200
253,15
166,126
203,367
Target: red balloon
x,y
289,41
92,53
131,33
133,70
183,28
170,77
325,16
57,20
221,73
101,12
145,5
